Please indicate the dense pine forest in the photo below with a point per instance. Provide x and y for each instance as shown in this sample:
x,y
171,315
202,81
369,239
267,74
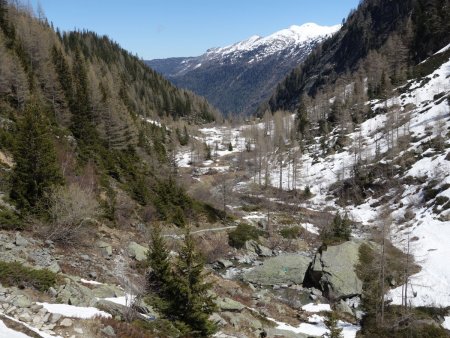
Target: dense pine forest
x,y
82,109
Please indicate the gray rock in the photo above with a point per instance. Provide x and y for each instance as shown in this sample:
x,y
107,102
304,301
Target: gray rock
x,y
272,332
93,275
54,267
109,331
25,317
228,304
217,319
283,269
224,263
85,257
19,240
343,307
316,292
55,317
107,291
105,248
333,271
76,294
52,292
22,301
258,249
137,251
8,246
66,322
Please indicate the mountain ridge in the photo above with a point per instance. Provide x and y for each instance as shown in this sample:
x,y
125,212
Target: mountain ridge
x,y
253,66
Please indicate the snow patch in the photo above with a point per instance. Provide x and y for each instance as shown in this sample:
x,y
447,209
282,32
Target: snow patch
x,y
9,333
311,307
446,323
39,332
74,311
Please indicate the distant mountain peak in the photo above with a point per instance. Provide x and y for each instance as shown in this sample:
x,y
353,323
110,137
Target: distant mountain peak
x,y
237,78
289,37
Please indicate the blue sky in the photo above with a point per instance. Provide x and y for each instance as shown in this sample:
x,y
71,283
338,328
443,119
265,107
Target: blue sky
x,y
164,28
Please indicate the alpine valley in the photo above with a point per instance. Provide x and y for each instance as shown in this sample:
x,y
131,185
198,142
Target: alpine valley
x,y
133,208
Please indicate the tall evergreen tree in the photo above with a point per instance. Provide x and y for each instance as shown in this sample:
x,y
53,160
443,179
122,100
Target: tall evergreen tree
x,y
159,278
36,169
83,118
192,303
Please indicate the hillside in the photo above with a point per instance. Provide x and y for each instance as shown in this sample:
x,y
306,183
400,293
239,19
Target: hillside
x,y
380,41
95,105
239,77
388,174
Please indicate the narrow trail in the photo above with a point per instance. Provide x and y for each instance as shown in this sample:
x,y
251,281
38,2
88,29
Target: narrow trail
x,y
175,236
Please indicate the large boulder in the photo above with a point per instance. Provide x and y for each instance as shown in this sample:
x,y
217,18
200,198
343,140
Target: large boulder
x,y
228,304
137,251
74,293
283,269
333,271
254,247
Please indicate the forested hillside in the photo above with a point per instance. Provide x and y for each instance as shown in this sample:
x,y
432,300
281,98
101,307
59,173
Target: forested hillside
x,y
378,47
77,110
239,77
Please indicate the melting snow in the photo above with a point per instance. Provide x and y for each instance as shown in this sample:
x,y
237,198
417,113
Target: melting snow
x,y
9,333
41,333
74,311
311,307
317,328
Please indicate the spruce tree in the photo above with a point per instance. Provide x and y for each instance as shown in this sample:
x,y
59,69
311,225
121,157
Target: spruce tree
x,y
159,278
83,118
192,303
36,169
332,323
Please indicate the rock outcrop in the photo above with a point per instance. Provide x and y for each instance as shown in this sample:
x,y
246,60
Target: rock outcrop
x,y
333,271
279,270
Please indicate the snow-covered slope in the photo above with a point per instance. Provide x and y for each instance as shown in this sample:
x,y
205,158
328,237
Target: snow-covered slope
x,y
238,77
424,114
288,39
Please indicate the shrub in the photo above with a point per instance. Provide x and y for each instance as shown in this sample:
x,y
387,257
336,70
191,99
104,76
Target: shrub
x,y
14,274
291,232
441,200
243,233
339,230
70,209
10,220
307,192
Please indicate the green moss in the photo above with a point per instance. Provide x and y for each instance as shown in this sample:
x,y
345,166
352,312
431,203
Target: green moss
x,y
15,274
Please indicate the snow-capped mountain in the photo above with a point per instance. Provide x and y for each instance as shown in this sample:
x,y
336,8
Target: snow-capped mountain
x,y
253,66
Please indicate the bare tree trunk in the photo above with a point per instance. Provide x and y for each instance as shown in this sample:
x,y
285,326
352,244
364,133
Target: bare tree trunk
x,y
382,276
281,172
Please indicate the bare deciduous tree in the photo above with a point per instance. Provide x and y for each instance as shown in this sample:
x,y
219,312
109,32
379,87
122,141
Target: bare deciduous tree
x,y
71,208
